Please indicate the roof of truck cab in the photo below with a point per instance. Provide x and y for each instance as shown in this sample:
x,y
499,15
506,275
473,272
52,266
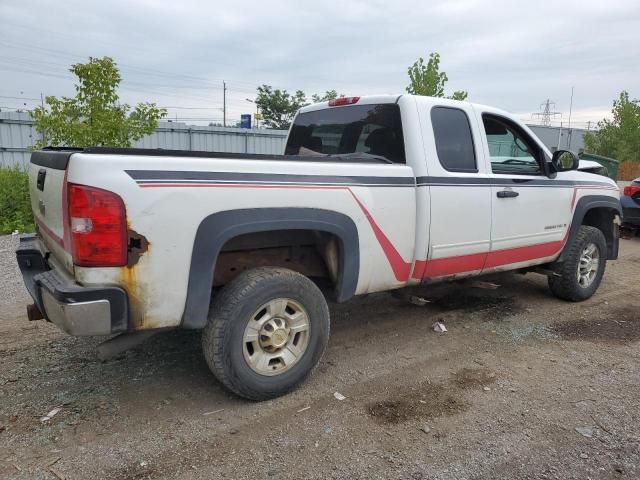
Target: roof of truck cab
x,y
388,98
365,100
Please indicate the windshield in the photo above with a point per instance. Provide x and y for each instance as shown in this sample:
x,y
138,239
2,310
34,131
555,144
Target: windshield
x,y
372,129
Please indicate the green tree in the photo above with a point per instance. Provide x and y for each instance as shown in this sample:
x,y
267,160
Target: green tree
x,y
328,95
428,80
618,138
94,117
278,107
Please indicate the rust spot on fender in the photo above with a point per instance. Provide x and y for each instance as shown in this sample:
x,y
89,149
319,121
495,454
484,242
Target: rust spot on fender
x,y
137,245
129,283
134,280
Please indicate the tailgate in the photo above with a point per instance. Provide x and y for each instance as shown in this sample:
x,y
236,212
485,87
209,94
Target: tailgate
x,y
47,187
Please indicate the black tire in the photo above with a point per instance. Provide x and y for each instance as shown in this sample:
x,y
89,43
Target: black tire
x,y
566,286
231,310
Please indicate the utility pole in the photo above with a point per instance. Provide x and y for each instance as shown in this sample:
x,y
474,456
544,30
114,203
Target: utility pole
x,y
570,107
224,104
588,125
559,135
44,138
569,134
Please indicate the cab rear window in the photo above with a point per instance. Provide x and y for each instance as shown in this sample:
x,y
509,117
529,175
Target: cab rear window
x,y
371,129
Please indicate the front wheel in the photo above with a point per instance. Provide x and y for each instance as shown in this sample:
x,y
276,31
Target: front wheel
x,y
267,330
581,272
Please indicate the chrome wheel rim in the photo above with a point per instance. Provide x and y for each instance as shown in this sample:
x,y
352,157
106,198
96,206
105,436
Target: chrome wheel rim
x,y
276,336
588,265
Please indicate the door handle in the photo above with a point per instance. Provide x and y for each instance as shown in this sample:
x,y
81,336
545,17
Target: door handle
x,y
41,176
507,194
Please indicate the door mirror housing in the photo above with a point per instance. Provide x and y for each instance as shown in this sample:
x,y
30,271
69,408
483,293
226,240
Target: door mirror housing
x,y
564,160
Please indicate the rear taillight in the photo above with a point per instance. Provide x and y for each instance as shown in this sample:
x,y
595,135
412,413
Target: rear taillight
x,y
338,102
631,190
97,227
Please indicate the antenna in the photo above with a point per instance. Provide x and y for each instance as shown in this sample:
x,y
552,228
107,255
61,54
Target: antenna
x,y
547,112
224,104
570,107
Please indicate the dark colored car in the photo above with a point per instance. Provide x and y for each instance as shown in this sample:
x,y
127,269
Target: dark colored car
x,y
631,203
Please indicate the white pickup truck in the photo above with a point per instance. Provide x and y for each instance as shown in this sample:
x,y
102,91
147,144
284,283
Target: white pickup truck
x,y
373,193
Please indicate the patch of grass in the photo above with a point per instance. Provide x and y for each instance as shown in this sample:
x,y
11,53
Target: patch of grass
x,y
15,204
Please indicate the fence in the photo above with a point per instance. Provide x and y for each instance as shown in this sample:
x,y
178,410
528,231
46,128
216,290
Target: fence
x,y
17,135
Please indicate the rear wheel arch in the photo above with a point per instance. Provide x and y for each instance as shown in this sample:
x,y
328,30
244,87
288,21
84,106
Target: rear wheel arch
x,y
217,229
596,211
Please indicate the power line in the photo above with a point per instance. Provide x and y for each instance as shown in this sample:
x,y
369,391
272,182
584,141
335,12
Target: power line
x,y
191,108
26,64
19,98
124,66
7,107
37,73
74,56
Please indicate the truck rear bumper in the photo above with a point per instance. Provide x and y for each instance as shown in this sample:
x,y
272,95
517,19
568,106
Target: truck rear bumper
x,y
77,310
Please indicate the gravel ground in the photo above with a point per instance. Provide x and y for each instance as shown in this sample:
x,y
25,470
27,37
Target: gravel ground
x,y
11,291
522,386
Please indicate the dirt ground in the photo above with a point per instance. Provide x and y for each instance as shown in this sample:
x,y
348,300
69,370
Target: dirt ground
x,y
522,386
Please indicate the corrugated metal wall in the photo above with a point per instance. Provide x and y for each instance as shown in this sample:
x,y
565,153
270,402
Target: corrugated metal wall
x,y
560,138
178,136
17,135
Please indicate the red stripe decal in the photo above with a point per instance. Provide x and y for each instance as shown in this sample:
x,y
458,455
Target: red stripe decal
x,y
439,267
49,233
573,198
240,185
522,254
400,268
418,269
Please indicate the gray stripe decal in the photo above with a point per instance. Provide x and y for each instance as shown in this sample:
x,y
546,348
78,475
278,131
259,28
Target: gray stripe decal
x,y
159,177
164,176
501,182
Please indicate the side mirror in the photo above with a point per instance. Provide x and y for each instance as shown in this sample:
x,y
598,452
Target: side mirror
x,y
564,160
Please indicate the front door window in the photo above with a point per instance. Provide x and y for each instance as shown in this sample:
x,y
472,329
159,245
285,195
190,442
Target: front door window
x,y
510,151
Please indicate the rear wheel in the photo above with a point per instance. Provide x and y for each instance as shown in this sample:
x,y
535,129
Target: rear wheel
x,y
581,272
267,330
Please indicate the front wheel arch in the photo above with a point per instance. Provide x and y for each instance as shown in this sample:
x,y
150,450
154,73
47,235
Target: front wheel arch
x,y
566,282
596,211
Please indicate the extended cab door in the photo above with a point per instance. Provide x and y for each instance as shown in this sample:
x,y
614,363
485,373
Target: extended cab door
x,y
460,195
531,213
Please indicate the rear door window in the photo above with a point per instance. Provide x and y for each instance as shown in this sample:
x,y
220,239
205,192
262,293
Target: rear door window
x,y
369,129
454,141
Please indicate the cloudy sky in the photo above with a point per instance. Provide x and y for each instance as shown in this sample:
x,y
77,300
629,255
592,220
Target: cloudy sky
x,y
510,54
